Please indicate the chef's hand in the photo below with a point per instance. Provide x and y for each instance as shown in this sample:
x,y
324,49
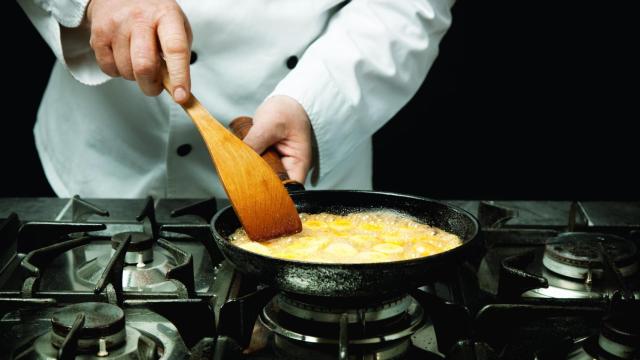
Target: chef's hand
x,y
125,35
282,122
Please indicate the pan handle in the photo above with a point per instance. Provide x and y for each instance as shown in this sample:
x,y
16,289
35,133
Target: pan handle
x,y
240,127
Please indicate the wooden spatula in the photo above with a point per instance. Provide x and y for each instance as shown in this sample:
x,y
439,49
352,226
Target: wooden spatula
x,y
256,193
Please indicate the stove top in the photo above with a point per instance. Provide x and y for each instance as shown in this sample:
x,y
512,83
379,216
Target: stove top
x,y
143,279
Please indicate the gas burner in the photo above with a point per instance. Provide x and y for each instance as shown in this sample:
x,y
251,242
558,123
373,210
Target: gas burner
x,y
103,334
95,331
579,255
146,264
103,326
139,250
582,265
618,339
381,330
289,349
381,311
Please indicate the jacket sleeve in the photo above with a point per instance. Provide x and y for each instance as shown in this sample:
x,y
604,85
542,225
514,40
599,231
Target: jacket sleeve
x,y
59,23
368,63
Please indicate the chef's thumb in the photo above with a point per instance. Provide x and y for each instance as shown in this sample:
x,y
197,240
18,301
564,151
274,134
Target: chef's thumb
x,y
259,138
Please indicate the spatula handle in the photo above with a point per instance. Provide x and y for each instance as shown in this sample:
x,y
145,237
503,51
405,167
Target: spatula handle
x,y
240,127
206,123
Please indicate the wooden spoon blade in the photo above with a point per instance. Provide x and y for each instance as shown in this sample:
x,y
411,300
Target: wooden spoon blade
x,y
261,202
257,195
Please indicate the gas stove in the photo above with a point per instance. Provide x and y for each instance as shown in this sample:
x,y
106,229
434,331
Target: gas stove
x,y
143,279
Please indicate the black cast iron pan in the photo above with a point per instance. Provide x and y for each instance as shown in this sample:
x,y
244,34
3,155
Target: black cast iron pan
x,y
352,280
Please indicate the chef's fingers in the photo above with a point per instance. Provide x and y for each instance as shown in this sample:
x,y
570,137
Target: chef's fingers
x,y
100,42
296,168
176,50
187,26
145,59
262,135
122,54
106,62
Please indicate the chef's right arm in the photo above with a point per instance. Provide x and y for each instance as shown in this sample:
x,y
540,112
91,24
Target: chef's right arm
x,y
99,39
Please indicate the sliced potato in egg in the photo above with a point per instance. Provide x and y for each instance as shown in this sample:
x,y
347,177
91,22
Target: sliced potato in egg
x,y
426,249
372,256
395,238
256,247
314,242
363,240
291,255
340,249
302,248
387,248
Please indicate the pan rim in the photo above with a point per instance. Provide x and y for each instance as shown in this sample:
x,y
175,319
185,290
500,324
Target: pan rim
x,y
346,266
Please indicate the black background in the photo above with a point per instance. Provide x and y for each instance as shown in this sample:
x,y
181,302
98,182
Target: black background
x,y
527,100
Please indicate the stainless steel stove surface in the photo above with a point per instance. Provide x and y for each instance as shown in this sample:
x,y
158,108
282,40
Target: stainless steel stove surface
x,y
143,279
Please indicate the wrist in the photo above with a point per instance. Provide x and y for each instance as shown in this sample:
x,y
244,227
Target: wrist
x,y
288,108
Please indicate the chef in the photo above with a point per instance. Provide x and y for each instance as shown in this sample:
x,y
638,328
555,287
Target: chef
x,y
319,78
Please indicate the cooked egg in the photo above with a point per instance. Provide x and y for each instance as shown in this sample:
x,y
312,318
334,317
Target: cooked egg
x,y
314,224
364,237
372,256
340,225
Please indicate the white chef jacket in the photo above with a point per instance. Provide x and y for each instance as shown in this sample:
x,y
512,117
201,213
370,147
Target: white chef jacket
x,y
359,62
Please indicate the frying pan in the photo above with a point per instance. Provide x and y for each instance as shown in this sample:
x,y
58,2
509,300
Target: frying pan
x,y
352,280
